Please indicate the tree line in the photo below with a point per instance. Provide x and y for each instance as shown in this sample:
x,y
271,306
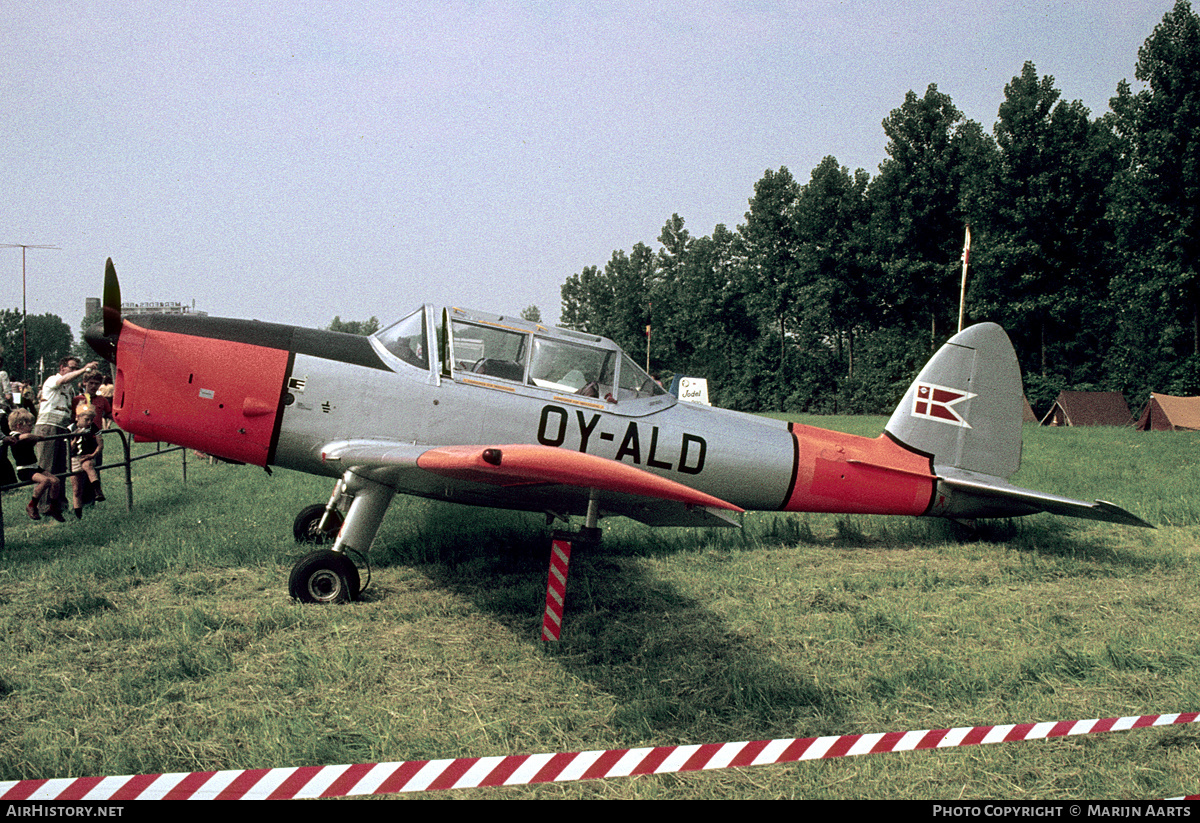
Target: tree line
x,y
38,340
1085,241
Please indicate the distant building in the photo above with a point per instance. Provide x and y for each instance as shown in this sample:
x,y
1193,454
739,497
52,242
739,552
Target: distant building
x,y
93,305
160,308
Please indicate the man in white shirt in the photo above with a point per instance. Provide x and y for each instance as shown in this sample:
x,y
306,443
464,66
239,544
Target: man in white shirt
x,y
54,416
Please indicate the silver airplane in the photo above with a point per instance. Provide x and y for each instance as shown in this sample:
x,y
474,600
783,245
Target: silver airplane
x,y
496,411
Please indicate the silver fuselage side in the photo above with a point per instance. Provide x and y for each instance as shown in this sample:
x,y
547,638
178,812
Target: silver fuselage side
x,y
744,459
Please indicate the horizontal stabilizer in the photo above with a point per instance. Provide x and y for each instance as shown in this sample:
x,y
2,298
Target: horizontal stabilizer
x,y
962,494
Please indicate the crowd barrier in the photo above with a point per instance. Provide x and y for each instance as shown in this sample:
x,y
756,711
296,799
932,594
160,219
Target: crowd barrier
x,y
127,464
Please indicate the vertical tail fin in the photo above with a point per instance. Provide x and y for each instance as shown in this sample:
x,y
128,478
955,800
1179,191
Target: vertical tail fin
x,y
964,411
964,408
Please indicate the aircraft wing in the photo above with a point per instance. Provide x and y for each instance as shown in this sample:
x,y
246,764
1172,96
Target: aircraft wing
x,y
530,477
984,491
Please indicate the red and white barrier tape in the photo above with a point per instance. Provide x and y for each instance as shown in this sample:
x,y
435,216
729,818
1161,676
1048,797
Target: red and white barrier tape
x,y
517,770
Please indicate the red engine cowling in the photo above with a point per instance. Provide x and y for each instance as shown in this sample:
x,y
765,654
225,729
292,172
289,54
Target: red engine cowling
x,y
219,396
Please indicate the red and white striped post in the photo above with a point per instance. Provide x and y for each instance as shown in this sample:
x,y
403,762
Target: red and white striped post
x,y
556,587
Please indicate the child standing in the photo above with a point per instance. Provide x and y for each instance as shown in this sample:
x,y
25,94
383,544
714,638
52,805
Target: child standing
x,y
86,448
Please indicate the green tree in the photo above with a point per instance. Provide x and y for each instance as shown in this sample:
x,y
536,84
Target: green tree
x,y
831,215
49,340
701,325
1041,269
772,248
581,296
11,342
1156,209
669,338
81,349
614,303
363,327
923,196
531,313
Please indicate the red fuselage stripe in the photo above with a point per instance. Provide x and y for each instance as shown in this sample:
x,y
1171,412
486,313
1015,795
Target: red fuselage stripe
x,y
837,472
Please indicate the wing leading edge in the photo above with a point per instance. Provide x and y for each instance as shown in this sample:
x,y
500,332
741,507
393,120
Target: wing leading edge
x,y
531,477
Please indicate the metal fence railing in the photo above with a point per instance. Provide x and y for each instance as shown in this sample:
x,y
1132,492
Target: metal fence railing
x,y
127,464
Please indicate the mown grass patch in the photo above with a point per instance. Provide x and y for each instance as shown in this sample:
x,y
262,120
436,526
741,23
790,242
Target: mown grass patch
x,y
163,639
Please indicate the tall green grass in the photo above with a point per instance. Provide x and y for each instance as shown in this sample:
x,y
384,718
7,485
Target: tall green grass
x,y
163,639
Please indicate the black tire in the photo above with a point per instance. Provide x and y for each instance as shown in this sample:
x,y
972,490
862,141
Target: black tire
x,y
324,576
304,528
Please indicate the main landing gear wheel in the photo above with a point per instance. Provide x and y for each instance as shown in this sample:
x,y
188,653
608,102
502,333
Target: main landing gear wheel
x,y
306,526
324,576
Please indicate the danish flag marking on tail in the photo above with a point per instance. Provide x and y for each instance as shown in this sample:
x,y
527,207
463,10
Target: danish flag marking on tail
x,y
934,402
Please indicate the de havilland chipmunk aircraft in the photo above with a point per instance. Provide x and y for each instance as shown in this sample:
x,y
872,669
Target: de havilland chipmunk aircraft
x,y
495,411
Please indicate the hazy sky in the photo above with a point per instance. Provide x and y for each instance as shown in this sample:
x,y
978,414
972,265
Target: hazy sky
x,y
295,161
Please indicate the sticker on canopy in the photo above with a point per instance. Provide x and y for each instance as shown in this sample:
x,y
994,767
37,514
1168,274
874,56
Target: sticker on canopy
x,y
933,402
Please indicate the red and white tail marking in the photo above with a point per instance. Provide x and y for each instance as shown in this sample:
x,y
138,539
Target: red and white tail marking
x,y
934,402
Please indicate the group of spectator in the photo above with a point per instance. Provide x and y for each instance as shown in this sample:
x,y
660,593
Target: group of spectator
x,y
64,432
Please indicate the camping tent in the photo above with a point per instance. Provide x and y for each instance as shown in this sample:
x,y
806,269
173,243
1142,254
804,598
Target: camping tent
x,y
1089,408
1167,413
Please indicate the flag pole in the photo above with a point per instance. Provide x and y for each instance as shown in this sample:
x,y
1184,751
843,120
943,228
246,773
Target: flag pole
x,y
649,320
962,296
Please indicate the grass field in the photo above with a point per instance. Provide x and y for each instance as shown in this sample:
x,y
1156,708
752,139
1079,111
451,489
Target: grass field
x,y
163,639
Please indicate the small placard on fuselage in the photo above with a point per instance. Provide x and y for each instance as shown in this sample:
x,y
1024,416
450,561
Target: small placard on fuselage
x,y
691,389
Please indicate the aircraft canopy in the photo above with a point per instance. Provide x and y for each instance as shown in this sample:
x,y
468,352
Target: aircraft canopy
x,y
533,355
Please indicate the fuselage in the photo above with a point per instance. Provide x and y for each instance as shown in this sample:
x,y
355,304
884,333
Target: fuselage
x,y
270,394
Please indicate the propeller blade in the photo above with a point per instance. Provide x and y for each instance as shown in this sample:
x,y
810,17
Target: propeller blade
x,y
112,300
102,336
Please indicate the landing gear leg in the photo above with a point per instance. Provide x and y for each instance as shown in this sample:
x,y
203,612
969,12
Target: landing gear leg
x,y
321,523
328,575
560,559
367,508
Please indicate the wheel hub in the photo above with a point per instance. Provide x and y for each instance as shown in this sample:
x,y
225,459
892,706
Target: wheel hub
x,y
325,586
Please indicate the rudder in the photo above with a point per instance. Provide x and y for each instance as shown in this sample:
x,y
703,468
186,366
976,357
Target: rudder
x,y
964,408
